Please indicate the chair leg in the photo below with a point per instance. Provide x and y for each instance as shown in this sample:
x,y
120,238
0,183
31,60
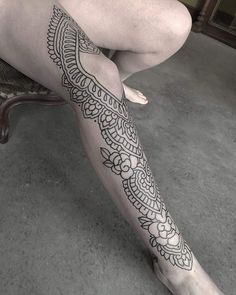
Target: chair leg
x,y
16,100
4,125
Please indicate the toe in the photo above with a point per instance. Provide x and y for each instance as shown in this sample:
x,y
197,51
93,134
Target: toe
x,y
135,95
143,99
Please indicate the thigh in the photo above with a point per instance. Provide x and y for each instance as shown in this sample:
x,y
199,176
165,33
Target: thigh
x,y
33,34
121,24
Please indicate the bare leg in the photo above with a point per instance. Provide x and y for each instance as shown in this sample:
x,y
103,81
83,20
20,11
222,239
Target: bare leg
x,y
170,40
55,51
143,35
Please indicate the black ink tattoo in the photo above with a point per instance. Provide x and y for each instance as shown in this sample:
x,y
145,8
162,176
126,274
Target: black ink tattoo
x,y
125,156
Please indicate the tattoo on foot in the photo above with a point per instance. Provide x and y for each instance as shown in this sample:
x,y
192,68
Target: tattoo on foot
x,y
124,154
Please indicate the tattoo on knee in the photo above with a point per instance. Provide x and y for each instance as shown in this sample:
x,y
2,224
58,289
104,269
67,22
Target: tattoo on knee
x,y
124,154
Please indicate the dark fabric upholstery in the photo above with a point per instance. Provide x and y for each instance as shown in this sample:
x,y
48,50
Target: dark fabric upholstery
x,y
13,83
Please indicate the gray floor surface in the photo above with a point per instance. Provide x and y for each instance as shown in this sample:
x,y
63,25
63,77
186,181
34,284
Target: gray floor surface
x,y
59,231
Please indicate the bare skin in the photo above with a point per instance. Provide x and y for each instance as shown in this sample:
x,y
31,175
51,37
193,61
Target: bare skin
x,y
134,95
46,62
147,34
198,282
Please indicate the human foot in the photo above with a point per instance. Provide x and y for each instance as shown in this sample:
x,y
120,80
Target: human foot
x,y
180,282
134,95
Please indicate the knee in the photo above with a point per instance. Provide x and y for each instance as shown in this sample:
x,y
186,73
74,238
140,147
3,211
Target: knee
x,y
178,26
105,76
108,75
108,69
167,32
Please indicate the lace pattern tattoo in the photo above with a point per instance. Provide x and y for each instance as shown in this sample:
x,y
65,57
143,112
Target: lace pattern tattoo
x,y
123,154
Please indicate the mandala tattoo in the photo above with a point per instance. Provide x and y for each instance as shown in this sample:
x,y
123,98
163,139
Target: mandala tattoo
x,y
123,154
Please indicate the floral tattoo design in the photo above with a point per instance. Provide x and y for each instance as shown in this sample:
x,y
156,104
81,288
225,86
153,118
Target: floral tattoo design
x,y
123,155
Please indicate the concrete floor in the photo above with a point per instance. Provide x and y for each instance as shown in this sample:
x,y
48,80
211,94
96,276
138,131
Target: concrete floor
x,y
59,231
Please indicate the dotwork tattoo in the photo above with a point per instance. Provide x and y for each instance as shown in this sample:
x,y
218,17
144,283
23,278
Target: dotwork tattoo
x,y
123,154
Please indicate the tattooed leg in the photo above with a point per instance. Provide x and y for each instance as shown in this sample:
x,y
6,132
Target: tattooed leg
x,y
125,171
62,57
122,153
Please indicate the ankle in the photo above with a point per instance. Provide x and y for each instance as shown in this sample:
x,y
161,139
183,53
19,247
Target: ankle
x,y
175,275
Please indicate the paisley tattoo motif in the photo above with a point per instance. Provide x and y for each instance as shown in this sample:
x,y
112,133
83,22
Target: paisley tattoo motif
x,y
123,154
